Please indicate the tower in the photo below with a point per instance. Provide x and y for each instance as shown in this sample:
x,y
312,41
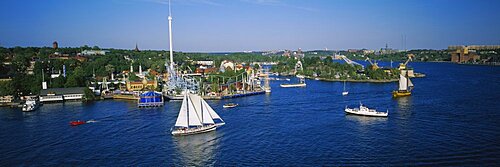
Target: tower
x,y
55,45
140,69
170,36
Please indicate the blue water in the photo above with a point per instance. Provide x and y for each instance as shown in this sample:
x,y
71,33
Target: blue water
x,y
452,118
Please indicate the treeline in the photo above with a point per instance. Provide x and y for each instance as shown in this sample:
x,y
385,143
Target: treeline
x,y
328,69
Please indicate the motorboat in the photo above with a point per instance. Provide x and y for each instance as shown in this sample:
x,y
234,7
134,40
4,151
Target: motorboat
x,y
76,123
31,104
230,105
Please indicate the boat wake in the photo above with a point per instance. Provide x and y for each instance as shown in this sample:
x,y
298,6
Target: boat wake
x,y
92,121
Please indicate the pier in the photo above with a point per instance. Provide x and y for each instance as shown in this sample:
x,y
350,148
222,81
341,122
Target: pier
x,y
233,95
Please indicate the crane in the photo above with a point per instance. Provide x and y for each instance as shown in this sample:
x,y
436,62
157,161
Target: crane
x,y
374,64
402,66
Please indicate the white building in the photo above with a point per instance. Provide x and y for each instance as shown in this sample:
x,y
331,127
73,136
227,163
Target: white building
x,y
61,94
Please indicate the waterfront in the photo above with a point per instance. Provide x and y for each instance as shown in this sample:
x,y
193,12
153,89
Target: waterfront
x,y
452,118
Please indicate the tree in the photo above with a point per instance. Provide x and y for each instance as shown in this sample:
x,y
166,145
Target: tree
x,y
7,88
58,82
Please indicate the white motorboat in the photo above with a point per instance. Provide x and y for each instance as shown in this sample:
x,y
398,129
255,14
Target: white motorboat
x,y
195,116
363,110
31,105
230,105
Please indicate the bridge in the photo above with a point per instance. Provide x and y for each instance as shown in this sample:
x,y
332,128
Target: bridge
x,y
349,61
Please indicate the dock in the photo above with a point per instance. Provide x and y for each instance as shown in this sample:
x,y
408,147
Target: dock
x,y
233,95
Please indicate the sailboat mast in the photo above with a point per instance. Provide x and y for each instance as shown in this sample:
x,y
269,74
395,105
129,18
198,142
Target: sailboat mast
x,y
187,107
407,80
201,106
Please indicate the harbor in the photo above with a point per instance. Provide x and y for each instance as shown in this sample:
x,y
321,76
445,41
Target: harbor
x,y
271,124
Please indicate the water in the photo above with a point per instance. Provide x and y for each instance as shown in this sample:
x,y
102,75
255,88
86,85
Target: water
x,y
452,118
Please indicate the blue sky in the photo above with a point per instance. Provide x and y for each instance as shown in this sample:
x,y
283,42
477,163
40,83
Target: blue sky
x,y
239,25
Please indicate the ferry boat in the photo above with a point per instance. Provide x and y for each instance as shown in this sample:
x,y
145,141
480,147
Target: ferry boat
x,y
31,104
195,116
230,105
365,111
405,87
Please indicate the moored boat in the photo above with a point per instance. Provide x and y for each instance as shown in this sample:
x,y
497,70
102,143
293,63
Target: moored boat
x,y
195,116
365,111
31,104
301,83
345,92
230,105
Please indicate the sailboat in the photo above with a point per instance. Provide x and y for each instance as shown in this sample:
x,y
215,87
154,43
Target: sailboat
x,y
195,116
344,92
405,86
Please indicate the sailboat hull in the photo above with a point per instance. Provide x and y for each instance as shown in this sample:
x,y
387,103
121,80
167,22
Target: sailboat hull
x,y
398,93
192,131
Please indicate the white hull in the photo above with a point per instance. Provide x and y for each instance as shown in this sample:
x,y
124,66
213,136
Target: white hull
x,y
292,85
192,131
224,106
366,112
178,97
345,93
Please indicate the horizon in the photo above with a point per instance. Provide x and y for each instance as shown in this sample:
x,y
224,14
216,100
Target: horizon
x,y
214,26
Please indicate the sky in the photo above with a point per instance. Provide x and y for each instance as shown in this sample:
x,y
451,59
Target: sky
x,y
250,25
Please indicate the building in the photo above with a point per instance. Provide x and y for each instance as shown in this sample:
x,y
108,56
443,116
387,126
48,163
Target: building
x,y
150,99
141,85
226,64
62,94
31,68
55,45
474,47
464,55
286,53
136,48
94,52
6,99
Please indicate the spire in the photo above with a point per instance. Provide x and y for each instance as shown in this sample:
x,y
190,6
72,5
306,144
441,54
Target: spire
x,y
136,48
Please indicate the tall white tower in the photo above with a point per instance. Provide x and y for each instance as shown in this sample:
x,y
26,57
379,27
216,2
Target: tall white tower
x,y
170,36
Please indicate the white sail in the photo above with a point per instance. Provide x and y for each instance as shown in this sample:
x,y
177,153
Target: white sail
x,y
211,111
194,119
182,119
201,110
402,82
409,83
207,118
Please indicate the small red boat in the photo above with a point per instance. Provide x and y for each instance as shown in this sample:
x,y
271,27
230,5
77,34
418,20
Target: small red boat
x,y
76,123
